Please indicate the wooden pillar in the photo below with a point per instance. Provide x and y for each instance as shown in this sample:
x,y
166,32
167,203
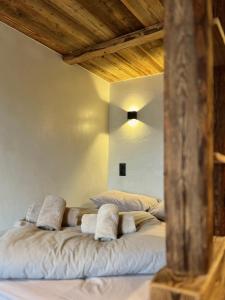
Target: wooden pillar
x,y
219,145
188,135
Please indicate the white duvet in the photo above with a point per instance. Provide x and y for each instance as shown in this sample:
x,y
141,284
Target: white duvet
x,y
29,252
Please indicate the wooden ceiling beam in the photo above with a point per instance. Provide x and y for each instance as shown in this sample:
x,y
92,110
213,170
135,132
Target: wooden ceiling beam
x,y
139,37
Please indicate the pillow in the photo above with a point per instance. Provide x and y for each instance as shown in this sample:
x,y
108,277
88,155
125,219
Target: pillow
x,y
159,212
33,212
140,216
72,215
125,201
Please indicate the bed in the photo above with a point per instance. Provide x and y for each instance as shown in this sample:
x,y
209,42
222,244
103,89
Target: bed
x,y
101,288
108,273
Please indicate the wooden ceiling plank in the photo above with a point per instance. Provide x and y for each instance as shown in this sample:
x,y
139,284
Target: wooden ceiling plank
x,y
139,37
148,12
80,14
113,14
121,65
137,67
56,21
140,65
25,24
100,71
109,67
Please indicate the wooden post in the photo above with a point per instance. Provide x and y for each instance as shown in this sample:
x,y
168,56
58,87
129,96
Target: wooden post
x,y
219,144
189,159
189,135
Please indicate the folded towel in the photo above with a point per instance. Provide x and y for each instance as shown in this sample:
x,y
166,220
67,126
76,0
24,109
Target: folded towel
x,y
107,222
51,214
33,212
126,224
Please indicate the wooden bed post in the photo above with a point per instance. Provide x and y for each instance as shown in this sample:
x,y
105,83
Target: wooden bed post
x,y
195,265
189,135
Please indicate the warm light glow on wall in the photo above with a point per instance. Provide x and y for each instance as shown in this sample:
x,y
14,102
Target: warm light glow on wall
x,y
132,122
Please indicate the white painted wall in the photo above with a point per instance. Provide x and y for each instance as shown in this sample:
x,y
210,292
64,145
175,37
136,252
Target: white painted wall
x,y
141,146
53,127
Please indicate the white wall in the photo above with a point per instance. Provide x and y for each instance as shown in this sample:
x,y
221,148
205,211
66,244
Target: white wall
x,y
54,127
141,146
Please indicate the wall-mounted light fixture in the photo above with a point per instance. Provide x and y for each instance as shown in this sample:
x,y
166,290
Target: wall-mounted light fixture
x,y
132,117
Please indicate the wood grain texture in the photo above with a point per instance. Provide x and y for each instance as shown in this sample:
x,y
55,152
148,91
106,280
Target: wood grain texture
x,y
142,36
148,12
149,60
219,146
168,285
188,125
68,26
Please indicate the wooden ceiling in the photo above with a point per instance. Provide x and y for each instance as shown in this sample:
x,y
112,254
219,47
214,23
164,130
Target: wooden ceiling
x,y
115,39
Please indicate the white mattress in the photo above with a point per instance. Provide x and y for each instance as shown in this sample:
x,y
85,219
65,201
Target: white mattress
x,y
102,288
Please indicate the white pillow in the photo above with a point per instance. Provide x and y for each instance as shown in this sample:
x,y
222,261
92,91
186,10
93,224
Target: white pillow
x,y
159,212
126,201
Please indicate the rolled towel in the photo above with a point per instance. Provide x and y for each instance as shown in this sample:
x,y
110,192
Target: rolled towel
x,y
33,212
126,224
51,214
107,222
72,215
88,223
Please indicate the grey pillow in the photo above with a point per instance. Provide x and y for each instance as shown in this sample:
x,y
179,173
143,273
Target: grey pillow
x,y
125,201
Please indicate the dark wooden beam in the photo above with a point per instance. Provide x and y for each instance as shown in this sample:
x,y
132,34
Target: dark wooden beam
x,y
132,39
189,135
219,145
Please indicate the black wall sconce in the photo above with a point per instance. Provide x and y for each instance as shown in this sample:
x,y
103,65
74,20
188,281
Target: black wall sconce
x,y
131,115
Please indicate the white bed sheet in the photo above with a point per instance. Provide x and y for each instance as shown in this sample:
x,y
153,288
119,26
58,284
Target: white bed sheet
x,y
101,288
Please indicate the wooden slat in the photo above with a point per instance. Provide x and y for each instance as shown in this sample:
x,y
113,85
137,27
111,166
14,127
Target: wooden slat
x,y
129,40
26,24
219,146
219,43
188,123
113,14
167,285
78,13
113,67
148,12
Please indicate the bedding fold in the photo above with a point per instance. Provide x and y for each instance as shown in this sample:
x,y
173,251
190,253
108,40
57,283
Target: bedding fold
x,y
51,213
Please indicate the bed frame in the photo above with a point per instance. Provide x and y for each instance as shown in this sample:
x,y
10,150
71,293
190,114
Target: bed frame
x,y
194,175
